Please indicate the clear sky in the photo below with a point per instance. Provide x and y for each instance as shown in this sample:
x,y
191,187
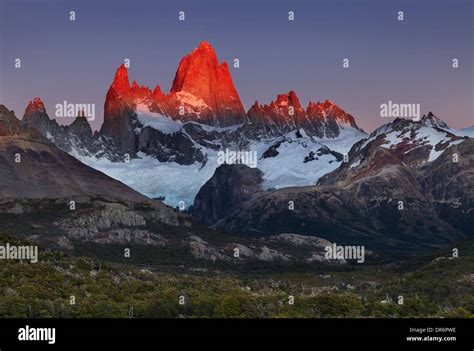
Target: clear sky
x,y
406,62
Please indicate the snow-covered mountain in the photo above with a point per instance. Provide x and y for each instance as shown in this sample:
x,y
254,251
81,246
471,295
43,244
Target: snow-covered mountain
x,y
168,145
294,159
173,159
416,142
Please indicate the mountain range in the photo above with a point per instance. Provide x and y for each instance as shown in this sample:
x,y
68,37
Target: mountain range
x,y
343,184
389,196
50,198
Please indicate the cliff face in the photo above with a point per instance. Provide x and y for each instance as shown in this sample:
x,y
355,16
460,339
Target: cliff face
x,y
230,186
119,113
285,114
200,75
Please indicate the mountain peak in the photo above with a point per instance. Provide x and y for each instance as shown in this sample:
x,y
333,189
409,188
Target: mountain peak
x,y
35,105
195,69
203,91
256,104
290,99
433,121
121,83
204,45
329,103
118,109
35,113
201,75
399,123
321,119
158,93
329,111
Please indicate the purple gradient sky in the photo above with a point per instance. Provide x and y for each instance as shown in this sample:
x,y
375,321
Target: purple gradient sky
x,y
407,62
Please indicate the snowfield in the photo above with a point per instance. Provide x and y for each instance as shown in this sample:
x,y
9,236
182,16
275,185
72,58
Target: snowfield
x,y
288,169
156,120
177,183
159,122
155,179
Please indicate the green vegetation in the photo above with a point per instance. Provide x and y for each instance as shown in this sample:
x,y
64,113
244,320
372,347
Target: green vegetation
x,y
439,288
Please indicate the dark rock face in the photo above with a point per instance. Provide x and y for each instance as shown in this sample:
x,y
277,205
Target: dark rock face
x,y
339,215
35,117
230,186
77,136
176,147
449,182
185,145
9,124
81,128
272,151
120,123
324,150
